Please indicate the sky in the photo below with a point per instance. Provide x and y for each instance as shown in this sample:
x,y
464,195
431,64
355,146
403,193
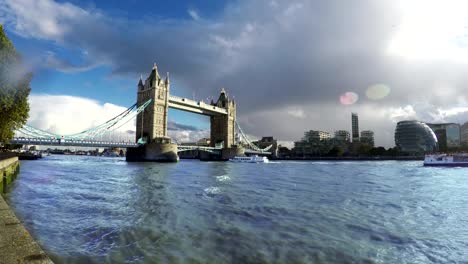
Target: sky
x,y
291,66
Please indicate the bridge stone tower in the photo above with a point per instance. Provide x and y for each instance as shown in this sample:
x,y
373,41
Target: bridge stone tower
x,y
151,125
152,122
223,126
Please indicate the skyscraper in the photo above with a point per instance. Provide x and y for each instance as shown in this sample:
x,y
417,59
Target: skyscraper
x,y
355,126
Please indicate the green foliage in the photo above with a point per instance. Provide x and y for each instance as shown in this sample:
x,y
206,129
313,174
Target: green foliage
x,y
14,89
336,151
7,147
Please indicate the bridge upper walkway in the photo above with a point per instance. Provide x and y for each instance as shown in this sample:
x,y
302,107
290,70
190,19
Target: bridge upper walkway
x,y
199,107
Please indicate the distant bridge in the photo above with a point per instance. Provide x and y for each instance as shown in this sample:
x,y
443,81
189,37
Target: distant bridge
x,y
72,142
151,114
111,144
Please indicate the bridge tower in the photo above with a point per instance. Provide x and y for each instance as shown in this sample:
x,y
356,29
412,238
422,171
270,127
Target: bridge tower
x,y
223,126
151,125
152,122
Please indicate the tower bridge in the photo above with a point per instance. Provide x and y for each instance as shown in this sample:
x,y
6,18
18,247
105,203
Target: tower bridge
x,y
151,112
151,125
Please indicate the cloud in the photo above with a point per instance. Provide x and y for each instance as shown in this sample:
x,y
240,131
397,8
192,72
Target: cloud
x,y
66,115
286,62
53,62
193,14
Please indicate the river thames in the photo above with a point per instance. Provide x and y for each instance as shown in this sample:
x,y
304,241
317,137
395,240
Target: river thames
x,y
105,210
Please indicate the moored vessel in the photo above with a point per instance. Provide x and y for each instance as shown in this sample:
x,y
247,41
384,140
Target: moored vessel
x,y
448,160
251,159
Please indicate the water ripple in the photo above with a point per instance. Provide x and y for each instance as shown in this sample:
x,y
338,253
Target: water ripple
x,y
104,210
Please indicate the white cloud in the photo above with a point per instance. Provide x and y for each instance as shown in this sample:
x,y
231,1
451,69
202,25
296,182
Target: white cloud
x,y
65,115
193,14
43,19
296,112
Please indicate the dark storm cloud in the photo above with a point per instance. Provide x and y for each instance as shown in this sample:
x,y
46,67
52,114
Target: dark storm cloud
x,y
285,61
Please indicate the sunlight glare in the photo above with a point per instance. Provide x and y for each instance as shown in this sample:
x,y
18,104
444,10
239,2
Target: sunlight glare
x,y
432,29
348,98
377,91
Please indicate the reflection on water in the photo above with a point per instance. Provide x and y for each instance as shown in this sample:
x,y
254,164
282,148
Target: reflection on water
x,y
96,210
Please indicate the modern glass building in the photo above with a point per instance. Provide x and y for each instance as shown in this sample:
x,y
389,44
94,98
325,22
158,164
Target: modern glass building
x,y
448,135
415,137
355,126
464,135
367,136
342,135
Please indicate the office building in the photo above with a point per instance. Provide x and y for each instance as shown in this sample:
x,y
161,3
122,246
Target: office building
x,y
315,135
355,126
415,137
448,135
342,136
367,137
464,135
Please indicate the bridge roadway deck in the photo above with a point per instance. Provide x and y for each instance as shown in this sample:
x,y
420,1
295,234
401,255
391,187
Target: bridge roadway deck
x,y
75,143
96,144
194,106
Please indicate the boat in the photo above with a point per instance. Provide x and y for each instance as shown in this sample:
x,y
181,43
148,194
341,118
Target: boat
x,y
448,160
251,159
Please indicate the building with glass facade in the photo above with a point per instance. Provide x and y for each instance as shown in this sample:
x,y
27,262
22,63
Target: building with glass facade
x,y
464,135
316,135
342,136
367,137
415,137
355,126
448,135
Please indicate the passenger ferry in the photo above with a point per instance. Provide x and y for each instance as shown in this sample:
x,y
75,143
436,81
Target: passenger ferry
x,y
449,160
251,159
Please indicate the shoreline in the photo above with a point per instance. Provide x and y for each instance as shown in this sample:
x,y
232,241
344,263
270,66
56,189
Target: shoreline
x,y
16,243
397,158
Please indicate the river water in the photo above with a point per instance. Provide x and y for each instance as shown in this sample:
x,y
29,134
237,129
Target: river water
x,y
105,210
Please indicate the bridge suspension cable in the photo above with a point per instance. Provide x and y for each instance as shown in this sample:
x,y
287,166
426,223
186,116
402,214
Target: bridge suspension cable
x,y
249,142
106,127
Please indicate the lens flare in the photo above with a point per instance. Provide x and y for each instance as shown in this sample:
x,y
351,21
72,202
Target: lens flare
x,y
377,91
348,98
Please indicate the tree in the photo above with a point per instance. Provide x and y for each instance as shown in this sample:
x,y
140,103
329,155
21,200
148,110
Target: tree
x,y
14,89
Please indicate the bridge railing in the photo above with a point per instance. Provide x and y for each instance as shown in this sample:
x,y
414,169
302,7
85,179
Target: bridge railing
x,y
70,142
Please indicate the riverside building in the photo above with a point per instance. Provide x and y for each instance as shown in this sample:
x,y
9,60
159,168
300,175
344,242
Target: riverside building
x,y
314,143
367,137
448,135
415,137
464,135
342,136
355,126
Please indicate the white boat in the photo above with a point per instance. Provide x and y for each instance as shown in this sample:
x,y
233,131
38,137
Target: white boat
x,y
449,160
251,159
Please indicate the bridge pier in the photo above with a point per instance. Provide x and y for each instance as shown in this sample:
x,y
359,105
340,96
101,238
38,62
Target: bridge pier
x,y
229,153
159,150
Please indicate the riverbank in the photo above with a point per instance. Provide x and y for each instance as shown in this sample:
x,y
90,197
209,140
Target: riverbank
x,y
16,244
403,158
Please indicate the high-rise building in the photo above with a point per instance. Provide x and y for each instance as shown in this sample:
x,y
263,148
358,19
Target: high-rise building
x,y
448,135
342,136
355,126
367,136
